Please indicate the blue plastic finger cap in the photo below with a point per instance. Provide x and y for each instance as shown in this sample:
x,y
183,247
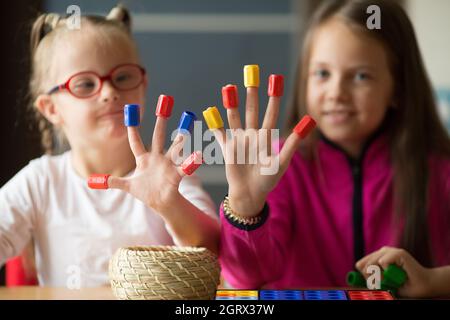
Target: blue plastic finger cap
x,y
187,122
131,115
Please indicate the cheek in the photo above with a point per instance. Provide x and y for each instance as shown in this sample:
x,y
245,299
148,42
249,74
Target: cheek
x,y
372,105
314,98
76,114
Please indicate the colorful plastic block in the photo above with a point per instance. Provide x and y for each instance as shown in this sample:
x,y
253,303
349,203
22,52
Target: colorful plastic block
x,y
230,96
356,279
131,115
213,118
324,295
164,106
304,127
280,295
251,75
192,163
370,295
236,295
98,181
187,122
276,85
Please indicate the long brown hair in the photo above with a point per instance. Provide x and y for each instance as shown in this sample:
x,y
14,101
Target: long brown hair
x,y
47,29
418,131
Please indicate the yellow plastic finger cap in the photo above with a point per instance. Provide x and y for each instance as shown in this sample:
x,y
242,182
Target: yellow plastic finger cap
x,y
251,75
213,118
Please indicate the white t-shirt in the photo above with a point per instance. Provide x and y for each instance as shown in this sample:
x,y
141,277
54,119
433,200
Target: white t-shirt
x,y
76,229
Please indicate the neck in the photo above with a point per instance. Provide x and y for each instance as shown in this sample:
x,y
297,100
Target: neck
x,y
109,159
352,149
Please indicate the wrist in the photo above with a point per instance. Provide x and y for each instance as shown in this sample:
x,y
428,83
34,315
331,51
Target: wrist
x,y
439,279
245,206
167,203
244,223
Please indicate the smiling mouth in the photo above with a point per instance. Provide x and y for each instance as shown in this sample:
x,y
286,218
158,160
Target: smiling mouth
x,y
338,116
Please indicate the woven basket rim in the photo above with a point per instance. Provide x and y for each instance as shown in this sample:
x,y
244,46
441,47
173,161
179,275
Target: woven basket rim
x,y
162,249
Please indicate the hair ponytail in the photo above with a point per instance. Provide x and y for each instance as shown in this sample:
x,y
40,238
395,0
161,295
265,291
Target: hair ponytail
x,y
41,27
121,14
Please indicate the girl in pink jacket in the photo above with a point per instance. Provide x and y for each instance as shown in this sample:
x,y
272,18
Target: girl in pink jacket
x,y
371,185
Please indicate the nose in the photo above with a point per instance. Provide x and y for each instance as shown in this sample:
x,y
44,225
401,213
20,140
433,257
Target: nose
x,y
337,90
108,92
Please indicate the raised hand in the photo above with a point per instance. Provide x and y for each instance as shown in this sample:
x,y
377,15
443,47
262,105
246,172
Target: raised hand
x,y
252,168
156,178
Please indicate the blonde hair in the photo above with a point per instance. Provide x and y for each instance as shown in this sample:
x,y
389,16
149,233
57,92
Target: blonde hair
x,y
46,31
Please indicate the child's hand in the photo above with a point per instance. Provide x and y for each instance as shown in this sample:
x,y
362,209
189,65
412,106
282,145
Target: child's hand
x,y
156,178
250,182
420,279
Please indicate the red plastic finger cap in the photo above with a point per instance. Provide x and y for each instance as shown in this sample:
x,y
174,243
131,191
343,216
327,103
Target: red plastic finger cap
x,y
98,181
305,126
230,96
164,106
276,85
192,162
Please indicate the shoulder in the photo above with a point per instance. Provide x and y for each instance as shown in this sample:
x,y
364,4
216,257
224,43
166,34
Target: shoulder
x,y
39,169
31,184
49,163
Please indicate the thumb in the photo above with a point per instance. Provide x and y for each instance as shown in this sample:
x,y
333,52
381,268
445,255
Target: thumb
x,y
106,181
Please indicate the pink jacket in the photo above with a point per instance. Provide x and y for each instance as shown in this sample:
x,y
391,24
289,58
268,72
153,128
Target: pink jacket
x,y
308,237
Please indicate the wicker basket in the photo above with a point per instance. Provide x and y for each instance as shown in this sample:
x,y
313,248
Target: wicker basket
x,y
163,273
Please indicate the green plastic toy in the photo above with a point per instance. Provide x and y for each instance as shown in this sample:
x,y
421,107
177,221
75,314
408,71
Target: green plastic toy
x,y
393,278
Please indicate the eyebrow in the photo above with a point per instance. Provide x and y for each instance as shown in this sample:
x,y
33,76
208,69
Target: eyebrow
x,y
354,67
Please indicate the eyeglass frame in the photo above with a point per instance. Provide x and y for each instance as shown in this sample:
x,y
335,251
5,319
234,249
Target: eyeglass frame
x,y
65,85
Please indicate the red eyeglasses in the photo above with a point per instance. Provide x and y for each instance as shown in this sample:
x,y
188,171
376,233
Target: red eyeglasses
x,y
86,84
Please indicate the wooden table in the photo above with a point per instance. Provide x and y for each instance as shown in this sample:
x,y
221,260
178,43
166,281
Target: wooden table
x,y
46,293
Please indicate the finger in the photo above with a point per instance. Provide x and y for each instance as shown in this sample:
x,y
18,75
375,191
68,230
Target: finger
x,y
230,102
301,131
251,82
175,149
272,112
372,259
163,112
131,121
275,92
251,109
393,256
159,135
215,124
135,141
191,164
118,183
220,135
288,150
106,181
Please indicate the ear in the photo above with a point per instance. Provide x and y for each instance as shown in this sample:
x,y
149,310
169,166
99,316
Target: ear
x,y
47,108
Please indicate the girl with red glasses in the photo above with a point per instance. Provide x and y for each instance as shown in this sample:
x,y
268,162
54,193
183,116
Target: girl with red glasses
x,y
80,82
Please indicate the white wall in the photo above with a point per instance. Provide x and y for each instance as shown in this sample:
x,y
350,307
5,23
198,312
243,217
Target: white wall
x,y
431,20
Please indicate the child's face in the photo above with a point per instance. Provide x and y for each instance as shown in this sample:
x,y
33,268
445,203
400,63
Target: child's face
x,y
349,86
96,120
